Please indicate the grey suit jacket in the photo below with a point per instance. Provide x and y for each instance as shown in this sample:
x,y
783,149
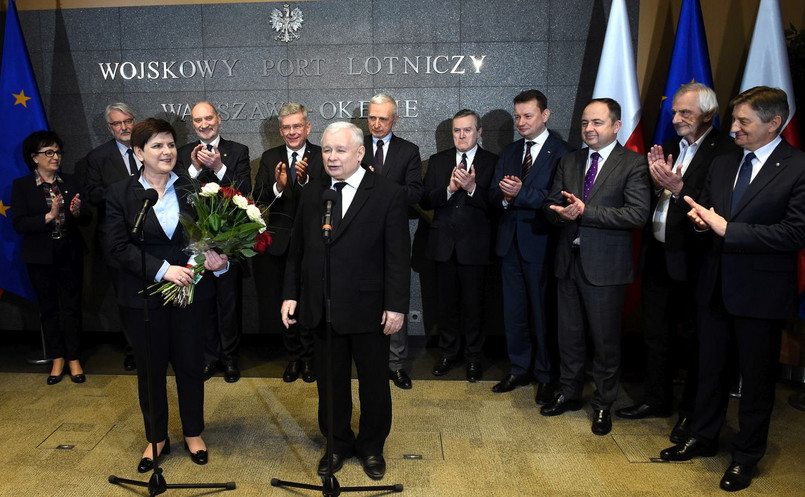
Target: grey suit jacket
x,y
618,204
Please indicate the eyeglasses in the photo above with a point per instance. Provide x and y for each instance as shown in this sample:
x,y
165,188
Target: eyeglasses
x,y
117,124
51,153
288,127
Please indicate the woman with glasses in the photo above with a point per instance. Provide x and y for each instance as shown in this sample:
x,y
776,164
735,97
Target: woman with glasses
x,y
45,210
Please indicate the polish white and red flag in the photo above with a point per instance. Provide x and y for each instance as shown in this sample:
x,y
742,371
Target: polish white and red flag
x,y
617,78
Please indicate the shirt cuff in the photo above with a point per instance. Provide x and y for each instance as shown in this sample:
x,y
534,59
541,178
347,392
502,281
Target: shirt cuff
x,y
222,271
162,270
221,172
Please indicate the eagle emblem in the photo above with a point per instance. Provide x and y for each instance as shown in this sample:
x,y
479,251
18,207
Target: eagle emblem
x,y
286,23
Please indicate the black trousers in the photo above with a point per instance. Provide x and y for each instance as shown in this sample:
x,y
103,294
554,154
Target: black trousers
x,y
369,351
177,338
223,337
461,303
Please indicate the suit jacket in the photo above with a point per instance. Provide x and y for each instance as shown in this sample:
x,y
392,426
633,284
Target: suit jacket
x,y
618,204
105,166
370,263
524,219
461,224
283,208
683,249
755,263
124,201
28,209
235,157
403,164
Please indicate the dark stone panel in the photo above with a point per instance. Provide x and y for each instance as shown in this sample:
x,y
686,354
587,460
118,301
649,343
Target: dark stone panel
x,y
80,29
78,72
236,69
161,27
427,65
576,26
169,70
507,64
432,106
329,105
247,25
565,62
329,23
416,21
326,66
518,20
563,102
30,26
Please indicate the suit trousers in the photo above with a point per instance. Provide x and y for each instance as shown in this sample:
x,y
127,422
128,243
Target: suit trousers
x,y
461,289
530,343
757,342
597,308
669,307
177,337
369,352
398,348
223,337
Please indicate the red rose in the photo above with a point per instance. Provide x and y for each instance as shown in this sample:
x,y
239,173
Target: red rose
x,y
262,242
229,192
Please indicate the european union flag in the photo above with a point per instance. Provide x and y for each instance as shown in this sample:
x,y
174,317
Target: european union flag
x,y
690,63
23,114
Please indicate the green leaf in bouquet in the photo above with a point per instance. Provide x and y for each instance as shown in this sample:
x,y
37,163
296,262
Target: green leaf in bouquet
x,y
214,222
247,252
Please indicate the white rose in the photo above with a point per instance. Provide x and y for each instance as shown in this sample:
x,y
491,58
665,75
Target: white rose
x,y
254,214
210,190
240,201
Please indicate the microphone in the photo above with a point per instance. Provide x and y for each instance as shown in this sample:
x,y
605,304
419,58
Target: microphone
x,y
329,197
149,198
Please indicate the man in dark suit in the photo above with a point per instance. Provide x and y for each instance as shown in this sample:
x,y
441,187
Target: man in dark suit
x,y
671,255
520,186
600,195
370,270
284,172
753,211
105,165
214,159
456,188
390,156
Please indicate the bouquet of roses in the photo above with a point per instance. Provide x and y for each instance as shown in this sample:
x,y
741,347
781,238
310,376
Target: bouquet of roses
x,y
227,221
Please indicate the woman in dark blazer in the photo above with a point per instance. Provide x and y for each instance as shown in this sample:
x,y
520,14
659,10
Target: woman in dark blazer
x,y
177,333
45,210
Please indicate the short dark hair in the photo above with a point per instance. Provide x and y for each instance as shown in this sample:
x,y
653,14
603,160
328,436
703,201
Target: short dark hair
x,y
766,101
36,140
468,112
145,130
532,94
612,104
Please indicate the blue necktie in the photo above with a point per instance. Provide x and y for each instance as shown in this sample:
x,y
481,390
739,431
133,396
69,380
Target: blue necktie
x,y
744,177
292,169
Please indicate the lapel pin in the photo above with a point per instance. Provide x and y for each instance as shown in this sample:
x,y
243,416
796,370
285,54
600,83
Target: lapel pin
x,y
777,164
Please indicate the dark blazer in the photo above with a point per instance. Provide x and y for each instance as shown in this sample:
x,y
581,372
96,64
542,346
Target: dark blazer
x,y
403,164
283,208
683,249
757,258
235,157
105,166
369,252
524,218
28,209
618,203
124,201
462,223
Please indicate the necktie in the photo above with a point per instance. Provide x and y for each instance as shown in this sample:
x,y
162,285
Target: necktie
x,y
132,162
744,177
209,147
379,156
292,169
527,161
337,211
589,178
463,162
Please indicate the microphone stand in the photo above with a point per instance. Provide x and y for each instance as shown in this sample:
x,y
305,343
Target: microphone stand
x,y
329,484
157,483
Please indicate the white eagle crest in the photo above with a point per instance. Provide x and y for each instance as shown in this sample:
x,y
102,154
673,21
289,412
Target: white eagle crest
x,y
286,23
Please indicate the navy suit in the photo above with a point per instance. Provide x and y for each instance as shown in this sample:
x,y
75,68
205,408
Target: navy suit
x,y
524,242
105,167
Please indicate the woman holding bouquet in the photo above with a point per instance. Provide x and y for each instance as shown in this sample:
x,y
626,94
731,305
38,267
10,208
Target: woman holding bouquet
x,y
177,333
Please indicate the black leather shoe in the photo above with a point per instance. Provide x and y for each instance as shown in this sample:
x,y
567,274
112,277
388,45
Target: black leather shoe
x,y
511,382
687,450
443,366
374,466
474,372
308,372
545,393
560,405
129,364
400,379
231,372
209,370
291,372
641,411
681,431
338,463
147,464
737,477
199,457
602,422
78,378
53,379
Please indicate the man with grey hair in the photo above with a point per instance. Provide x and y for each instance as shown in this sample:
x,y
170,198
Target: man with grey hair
x,y
671,256
284,172
389,155
109,163
369,249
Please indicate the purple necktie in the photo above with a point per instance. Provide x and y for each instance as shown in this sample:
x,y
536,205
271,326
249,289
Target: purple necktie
x,y
379,156
589,178
527,161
